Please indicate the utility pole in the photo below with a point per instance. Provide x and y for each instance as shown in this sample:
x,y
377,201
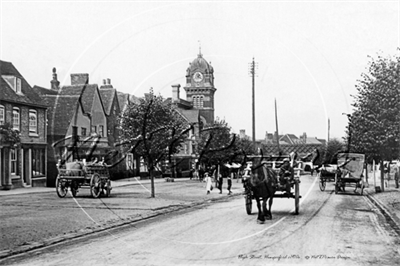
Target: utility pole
x,y
252,72
277,130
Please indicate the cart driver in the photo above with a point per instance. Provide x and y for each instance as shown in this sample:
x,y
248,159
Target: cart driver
x,y
286,175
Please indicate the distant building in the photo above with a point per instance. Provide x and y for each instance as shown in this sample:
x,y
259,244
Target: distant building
x,y
22,164
80,115
288,143
197,108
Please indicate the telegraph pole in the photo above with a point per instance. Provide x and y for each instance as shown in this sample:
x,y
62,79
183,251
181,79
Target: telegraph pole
x,y
253,73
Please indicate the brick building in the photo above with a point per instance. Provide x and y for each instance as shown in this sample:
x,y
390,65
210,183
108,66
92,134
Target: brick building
x,y
22,164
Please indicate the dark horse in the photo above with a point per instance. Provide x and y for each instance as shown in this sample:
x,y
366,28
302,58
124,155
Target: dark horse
x,y
262,183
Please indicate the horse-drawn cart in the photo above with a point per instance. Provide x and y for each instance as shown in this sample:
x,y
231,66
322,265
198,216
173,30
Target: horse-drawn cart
x,y
76,175
350,167
327,173
270,169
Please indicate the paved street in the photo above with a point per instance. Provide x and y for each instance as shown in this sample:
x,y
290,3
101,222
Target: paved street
x,y
342,229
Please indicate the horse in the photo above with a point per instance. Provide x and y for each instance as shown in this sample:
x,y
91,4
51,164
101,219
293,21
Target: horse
x,y
262,183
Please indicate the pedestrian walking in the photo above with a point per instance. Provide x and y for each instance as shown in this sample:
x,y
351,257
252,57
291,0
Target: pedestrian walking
x,y
230,177
396,176
220,181
208,181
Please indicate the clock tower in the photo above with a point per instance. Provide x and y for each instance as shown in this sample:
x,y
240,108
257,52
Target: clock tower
x,y
200,87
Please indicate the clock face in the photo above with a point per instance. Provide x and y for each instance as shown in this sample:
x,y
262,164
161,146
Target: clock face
x,y
197,77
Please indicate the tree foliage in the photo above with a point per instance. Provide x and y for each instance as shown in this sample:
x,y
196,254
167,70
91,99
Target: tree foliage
x,y
374,126
9,135
215,143
329,153
152,129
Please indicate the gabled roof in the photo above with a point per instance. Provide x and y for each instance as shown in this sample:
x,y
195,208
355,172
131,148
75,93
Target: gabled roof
x,y
192,116
125,98
27,96
61,111
107,97
86,91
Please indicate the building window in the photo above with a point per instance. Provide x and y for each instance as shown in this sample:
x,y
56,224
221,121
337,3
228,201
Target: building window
x,y
198,101
38,162
16,119
18,87
83,131
101,131
13,82
2,115
33,121
14,161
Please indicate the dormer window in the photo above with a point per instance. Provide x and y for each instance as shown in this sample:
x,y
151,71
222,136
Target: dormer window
x,y
14,82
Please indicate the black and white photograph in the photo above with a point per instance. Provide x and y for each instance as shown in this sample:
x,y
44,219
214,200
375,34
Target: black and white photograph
x,y
199,132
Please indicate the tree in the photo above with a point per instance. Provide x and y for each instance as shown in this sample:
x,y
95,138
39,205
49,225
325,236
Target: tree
x,y
153,130
329,153
374,127
215,143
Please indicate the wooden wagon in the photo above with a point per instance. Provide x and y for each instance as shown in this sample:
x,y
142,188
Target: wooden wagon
x,y
76,175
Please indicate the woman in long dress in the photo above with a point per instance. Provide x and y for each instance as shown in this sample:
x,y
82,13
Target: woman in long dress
x,y
208,181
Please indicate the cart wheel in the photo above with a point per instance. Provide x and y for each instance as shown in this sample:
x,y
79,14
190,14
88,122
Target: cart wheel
x,y
61,188
297,197
322,184
107,189
95,186
248,203
74,189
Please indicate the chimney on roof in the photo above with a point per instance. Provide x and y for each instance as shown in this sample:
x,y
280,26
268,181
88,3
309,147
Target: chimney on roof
x,y
54,83
106,84
175,92
242,133
304,137
79,79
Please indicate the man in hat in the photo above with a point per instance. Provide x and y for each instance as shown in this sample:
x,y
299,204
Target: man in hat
x,y
286,175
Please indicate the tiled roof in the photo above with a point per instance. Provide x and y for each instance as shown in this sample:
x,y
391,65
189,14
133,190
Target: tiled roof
x,y
192,116
86,92
61,112
107,97
28,95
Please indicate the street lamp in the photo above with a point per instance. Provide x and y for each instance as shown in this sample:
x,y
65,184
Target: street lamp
x,y
349,138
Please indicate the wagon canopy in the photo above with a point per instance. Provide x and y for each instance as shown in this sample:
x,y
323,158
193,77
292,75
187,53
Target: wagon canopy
x,y
233,165
353,163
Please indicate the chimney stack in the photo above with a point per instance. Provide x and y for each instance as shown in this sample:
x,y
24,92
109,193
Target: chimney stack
x,y
175,93
54,83
79,79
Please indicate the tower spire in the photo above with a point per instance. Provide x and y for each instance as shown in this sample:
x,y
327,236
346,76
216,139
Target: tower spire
x,y
199,49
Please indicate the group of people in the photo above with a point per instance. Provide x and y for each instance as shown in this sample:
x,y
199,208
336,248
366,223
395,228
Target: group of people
x,y
209,182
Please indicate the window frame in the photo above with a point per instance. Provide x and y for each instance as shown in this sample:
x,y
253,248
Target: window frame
x,y
33,129
2,114
16,110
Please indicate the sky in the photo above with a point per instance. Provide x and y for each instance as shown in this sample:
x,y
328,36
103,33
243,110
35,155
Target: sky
x,y
309,54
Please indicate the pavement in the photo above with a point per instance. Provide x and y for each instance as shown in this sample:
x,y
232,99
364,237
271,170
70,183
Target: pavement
x,y
388,202
114,183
